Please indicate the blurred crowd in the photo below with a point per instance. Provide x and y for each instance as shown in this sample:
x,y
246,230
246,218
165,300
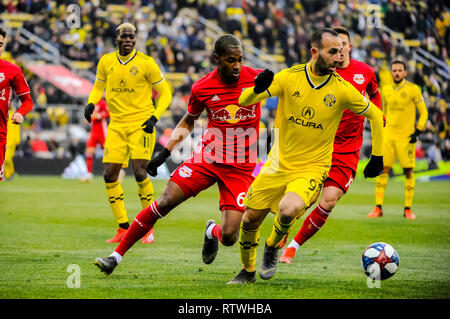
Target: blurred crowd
x,y
280,28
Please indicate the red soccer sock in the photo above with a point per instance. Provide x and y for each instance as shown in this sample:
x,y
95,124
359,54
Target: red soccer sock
x,y
312,224
89,163
216,232
142,223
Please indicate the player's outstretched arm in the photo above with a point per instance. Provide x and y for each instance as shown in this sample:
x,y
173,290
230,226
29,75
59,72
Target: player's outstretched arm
x,y
423,117
94,97
183,129
375,166
165,97
258,92
27,106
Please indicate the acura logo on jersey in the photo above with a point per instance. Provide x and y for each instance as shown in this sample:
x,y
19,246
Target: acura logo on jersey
x,y
302,122
358,78
122,82
308,112
122,89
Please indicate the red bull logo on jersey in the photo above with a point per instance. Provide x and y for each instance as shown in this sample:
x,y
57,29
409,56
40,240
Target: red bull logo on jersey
x,y
358,78
233,113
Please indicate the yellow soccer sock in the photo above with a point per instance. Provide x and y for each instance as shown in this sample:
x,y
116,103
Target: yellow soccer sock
x,y
9,162
279,231
409,190
145,192
115,195
380,188
248,242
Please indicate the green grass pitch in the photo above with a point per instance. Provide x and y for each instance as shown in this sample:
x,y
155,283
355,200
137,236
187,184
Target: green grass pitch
x,y
52,229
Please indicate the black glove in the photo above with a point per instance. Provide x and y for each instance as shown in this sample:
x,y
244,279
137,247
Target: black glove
x,y
414,136
149,124
88,111
375,166
158,160
263,81
269,141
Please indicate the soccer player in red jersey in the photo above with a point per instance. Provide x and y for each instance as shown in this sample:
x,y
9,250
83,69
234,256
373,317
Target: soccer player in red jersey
x,y
99,120
11,78
227,155
347,144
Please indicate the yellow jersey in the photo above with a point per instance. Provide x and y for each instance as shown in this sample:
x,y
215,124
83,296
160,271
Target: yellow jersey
x,y
400,102
129,85
308,115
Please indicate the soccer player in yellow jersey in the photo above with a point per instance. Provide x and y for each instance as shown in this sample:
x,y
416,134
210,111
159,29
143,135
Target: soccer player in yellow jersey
x,y
312,98
129,78
400,102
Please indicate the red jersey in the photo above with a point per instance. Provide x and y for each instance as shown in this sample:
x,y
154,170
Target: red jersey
x,y
232,134
100,118
349,136
11,78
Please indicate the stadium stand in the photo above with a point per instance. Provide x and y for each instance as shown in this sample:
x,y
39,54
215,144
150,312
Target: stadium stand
x,y
179,35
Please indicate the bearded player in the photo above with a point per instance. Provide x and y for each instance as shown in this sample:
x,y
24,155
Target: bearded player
x,y
11,78
227,156
346,148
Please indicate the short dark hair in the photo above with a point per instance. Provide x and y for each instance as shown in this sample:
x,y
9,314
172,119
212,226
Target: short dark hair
x,y
2,32
224,42
342,30
398,61
316,38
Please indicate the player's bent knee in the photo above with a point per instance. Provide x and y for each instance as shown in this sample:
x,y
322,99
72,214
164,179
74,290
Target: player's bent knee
x,y
288,212
230,239
140,175
329,203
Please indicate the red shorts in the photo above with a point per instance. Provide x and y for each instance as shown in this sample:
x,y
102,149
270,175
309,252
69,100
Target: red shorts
x,y
96,138
343,170
233,183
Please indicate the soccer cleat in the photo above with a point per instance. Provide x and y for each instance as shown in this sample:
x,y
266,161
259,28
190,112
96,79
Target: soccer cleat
x,y
288,255
118,236
377,212
269,262
87,178
150,237
210,245
244,277
106,265
408,214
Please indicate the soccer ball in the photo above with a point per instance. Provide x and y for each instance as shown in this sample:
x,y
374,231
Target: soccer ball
x,y
380,261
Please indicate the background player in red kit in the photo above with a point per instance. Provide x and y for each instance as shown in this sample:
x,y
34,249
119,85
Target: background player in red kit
x,y
228,154
99,120
11,78
347,144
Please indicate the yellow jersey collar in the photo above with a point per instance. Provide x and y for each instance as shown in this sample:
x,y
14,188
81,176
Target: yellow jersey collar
x,y
402,84
125,59
311,76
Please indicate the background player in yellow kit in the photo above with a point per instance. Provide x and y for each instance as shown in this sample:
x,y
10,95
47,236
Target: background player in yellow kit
x,y
400,101
129,77
312,98
12,140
